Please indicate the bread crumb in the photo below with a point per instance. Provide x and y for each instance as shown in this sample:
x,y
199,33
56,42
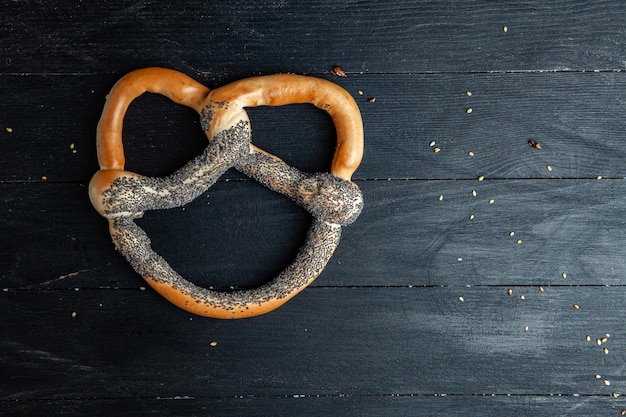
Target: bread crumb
x,y
338,71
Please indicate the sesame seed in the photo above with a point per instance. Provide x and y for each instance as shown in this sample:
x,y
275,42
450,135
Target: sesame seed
x,y
471,217
480,178
459,259
522,297
461,299
505,29
604,339
469,110
468,93
9,129
74,314
598,376
526,328
519,241
440,197
599,177
606,351
360,92
607,334
576,307
510,292
598,342
511,233
473,193
45,178
213,343
492,201
540,289
436,150
615,395
564,274
470,153
588,338
432,143
607,382
549,168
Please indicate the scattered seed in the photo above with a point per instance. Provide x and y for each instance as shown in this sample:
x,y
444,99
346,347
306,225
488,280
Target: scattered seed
x,y
72,146
372,99
461,299
615,395
459,259
606,351
607,382
576,307
469,110
526,328
549,168
74,314
45,178
598,342
624,412
471,217
436,150
468,93
360,92
480,178
598,376
473,193
519,241
603,340
534,144
564,274
338,71
470,153
607,334
511,233
599,177
588,338
492,201
9,129
540,289
213,343
522,297
440,197
510,292
505,29
432,143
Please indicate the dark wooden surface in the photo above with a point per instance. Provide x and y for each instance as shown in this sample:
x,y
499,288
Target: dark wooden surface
x,y
412,317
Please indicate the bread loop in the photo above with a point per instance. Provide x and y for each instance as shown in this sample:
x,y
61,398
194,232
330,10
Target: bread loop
x,y
333,199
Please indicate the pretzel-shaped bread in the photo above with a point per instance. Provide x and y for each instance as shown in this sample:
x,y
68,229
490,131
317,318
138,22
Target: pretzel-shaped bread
x,y
332,198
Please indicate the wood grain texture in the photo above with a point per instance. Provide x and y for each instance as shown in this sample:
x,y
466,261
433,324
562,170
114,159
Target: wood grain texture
x,y
241,234
422,310
347,405
577,119
278,36
378,342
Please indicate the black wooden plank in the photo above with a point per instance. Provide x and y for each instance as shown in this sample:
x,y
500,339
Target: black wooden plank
x,y
577,118
333,342
52,237
269,36
297,405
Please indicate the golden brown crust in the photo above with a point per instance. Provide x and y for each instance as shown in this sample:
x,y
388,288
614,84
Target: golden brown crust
x,y
176,86
283,89
120,196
